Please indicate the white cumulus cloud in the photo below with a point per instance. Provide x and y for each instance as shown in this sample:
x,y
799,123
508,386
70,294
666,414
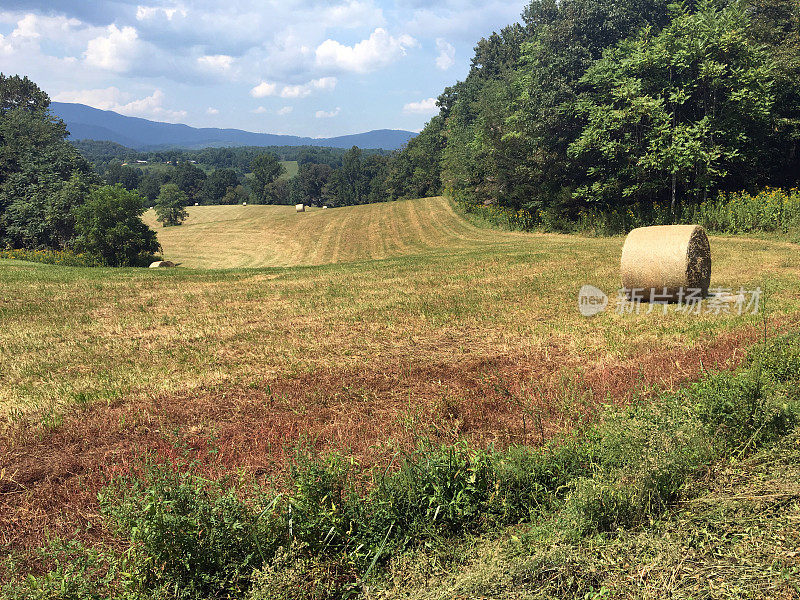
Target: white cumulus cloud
x,y
353,14
301,91
447,54
111,98
423,107
114,51
268,88
285,110
263,89
212,111
145,13
321,114
215,62
259,111
377,51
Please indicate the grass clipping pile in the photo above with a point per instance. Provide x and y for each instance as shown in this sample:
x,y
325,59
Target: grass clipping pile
x,y
666,261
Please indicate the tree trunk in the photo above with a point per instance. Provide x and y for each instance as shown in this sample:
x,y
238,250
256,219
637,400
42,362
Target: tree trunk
x,y
672,202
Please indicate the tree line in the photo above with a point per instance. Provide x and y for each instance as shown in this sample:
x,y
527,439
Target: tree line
x,y
607,104
343,178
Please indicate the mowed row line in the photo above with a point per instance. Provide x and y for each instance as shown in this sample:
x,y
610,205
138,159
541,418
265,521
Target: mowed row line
x,y
277,236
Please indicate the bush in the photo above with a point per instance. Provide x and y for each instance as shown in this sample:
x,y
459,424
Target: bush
x,y
63,258
769,210
109,225
189,535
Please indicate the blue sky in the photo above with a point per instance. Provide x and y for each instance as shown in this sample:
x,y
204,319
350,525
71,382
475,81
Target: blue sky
x,y
292,66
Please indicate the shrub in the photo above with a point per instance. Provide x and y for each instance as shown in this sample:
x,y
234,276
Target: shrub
x,y
109,225
772,209
189,535
63,258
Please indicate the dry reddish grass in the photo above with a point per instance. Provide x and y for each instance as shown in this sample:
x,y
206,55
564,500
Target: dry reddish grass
x,y
51,476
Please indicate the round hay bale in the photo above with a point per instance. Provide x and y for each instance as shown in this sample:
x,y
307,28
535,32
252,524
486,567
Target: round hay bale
x,y
666,261
159,264
300,207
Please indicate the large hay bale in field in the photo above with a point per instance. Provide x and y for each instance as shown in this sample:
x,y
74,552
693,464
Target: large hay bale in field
x,y
300,207
160,264
666,261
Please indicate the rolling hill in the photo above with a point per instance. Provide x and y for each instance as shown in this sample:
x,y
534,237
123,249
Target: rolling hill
x,y
277,236
85,122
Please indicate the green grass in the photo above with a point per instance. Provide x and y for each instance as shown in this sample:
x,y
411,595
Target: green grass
x,y
735,536
292,167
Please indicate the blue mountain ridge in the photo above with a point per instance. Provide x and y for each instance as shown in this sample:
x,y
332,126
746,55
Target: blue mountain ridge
x,y
85,122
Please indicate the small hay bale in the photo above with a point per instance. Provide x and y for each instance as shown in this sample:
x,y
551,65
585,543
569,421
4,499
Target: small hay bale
x,y
300,207
197,204
666,261
244,203
160,264
324,207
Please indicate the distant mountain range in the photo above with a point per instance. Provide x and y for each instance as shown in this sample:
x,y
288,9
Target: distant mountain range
x,y
85,122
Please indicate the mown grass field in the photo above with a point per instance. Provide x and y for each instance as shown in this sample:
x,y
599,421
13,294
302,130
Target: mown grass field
x,y
224,237
364,329
443,294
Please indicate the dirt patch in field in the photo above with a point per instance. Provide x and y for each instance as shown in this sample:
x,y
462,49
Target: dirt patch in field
x,y
50,476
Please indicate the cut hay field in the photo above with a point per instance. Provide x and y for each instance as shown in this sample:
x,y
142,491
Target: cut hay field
x,y
217,237
397,291
362,328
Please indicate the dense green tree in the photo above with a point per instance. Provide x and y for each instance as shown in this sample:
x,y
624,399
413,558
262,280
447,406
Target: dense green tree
x,y
776,25
109,225
190,179
125,175
217,185
376,172
150,186
171,205
417,171
279,192
42,176
236,195
348,184
266,168
676,112
311,181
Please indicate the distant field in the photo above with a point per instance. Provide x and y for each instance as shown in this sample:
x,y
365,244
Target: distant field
x,y
291,168
272,236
